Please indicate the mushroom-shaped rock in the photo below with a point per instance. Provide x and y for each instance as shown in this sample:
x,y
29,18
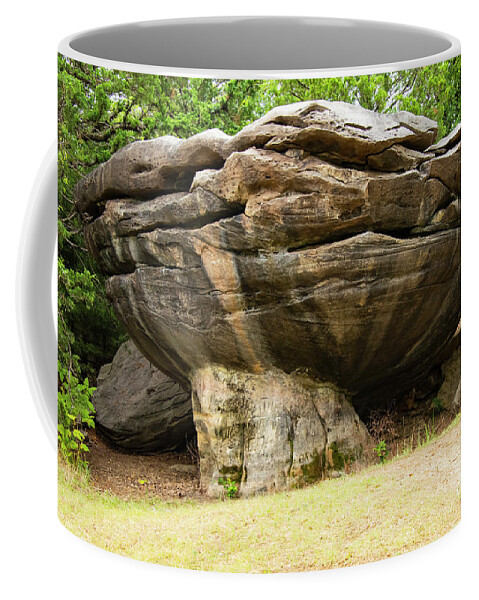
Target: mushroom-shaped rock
x,y
305,268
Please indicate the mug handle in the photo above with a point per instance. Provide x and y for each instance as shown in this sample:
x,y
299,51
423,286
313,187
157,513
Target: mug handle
x,y
34,303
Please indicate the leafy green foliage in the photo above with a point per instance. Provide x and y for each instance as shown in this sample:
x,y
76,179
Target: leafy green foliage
x,y
231,489
75,409
381,450
101,110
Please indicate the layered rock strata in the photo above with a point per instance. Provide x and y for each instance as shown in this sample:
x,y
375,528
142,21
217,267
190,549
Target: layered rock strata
x,y
310,261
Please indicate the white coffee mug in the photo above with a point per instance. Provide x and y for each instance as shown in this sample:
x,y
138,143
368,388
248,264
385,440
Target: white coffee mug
x,y
295,275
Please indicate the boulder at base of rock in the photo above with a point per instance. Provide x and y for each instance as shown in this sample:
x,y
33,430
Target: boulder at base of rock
x,y
140,408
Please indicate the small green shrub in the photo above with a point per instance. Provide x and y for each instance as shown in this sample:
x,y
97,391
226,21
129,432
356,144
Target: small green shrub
x,y
381,450
231,489
75,411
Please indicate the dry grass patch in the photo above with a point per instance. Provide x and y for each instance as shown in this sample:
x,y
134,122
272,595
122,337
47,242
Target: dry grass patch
x,y
382,511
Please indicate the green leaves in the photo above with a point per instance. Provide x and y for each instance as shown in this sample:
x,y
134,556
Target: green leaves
x,y
75,411
381,451
230,487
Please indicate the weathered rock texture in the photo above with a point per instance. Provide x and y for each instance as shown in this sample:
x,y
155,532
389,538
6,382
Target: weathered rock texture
x,y
140,408
316,251
271,430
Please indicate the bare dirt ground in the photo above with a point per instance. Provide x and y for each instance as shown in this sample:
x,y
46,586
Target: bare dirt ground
x,y
172,475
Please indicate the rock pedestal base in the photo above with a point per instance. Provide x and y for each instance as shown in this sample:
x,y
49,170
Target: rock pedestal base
x,y
271,431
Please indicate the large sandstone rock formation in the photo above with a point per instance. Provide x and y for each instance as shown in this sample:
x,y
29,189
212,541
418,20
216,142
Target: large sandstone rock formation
x,y
140,408
306,265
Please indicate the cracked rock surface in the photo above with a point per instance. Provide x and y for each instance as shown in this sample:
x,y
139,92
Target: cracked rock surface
x,y
316,251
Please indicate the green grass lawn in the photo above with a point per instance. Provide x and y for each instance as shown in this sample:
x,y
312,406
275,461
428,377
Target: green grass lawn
x,y
382,511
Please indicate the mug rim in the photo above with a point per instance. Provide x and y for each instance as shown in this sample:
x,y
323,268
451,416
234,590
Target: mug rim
x,y
66,48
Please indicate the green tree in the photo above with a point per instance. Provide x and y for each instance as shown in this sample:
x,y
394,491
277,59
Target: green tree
x,y
75,409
